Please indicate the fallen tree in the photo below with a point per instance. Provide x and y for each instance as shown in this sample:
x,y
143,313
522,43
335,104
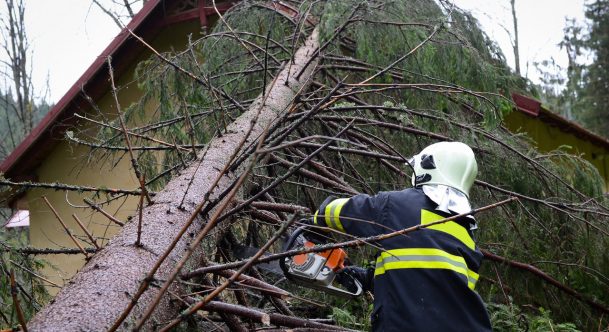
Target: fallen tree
x,y
386,79
120,275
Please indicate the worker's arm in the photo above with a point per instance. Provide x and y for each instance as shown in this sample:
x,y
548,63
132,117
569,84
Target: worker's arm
x,y
358,215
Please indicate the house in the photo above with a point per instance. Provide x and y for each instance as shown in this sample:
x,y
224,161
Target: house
x,y
45,156
551,131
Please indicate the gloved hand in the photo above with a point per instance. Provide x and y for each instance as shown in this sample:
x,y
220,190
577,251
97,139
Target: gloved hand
x,y
306,221
347,275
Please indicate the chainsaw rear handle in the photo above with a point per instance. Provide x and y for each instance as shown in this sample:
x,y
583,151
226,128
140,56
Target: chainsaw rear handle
x,y
292,238
311,234
289,243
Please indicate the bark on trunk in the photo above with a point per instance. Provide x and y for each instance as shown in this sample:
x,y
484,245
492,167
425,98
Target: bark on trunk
x,y
98,294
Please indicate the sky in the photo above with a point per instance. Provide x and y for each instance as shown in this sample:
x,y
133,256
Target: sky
x,y
67,35
540,27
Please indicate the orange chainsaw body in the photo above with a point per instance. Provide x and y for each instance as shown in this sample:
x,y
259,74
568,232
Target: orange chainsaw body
x,y
335,258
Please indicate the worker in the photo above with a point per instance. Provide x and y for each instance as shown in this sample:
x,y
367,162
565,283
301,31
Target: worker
x,y
424,280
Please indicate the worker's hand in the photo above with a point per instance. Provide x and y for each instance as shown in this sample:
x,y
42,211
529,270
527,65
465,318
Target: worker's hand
x,y
306,221
347,276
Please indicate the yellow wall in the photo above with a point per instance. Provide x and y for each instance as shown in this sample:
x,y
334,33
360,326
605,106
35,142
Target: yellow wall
x,y
72,164
548,138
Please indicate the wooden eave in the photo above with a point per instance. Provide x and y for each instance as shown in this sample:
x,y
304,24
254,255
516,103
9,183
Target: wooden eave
x,y
535,109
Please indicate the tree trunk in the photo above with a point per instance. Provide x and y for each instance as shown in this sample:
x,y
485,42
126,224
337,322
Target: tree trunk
x,y
516,45
99,293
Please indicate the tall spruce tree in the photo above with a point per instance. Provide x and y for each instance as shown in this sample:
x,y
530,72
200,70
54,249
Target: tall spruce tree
x,y
595,114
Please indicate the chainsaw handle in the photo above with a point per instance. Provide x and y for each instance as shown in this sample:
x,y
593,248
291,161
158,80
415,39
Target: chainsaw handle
x,y
308,228
289,243
292,238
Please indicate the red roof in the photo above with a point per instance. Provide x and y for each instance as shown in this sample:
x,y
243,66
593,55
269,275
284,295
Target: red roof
x,y
534,108
146,24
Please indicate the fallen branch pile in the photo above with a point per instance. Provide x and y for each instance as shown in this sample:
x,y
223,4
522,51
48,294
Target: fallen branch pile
x,y
307,107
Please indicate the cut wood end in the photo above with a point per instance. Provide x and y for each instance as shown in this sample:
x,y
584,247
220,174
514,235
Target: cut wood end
x,y
265,319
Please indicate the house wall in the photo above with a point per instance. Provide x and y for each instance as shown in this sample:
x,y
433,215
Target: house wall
x,y
73,164
548,138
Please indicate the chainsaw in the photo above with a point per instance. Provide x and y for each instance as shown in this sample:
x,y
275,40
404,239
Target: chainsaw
x,y
318,270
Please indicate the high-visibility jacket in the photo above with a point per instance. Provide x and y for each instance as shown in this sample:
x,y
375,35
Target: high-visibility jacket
x,y
423,280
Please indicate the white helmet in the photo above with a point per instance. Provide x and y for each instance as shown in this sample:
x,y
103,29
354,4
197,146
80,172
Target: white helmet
x,y
451,164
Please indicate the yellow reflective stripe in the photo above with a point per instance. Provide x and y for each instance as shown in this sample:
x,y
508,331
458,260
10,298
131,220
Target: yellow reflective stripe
x,y
449,227
473,275
424,258
424,254
472,278
419,251
379,268
423,265
332,214
337,209
315,218
329,218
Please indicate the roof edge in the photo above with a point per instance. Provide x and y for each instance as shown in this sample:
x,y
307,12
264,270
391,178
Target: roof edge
x,y
534,108
50,118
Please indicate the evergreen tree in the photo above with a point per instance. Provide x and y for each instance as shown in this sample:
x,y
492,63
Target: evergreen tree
x,y
596,96
12,129
561,88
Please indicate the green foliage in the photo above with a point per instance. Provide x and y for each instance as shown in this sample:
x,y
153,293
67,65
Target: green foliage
x,y
562,88
12,127
30,289
510,318
458,55
352,316
595,96
578,91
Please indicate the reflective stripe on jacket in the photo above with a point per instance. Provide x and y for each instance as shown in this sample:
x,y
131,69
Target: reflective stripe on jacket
x,y
423,280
